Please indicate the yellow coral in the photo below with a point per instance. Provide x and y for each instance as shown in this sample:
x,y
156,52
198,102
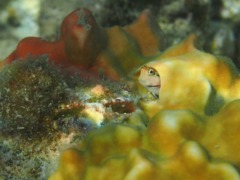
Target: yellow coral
x,y
222,137
192,162
72,165
192,79
170,128
118,152
192,132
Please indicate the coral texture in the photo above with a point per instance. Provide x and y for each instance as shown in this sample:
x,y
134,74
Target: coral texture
x,y
163,150
192,130
187,72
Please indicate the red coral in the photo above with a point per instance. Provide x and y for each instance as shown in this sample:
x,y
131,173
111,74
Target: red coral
x,y
83,38
84,45
80,42
33,46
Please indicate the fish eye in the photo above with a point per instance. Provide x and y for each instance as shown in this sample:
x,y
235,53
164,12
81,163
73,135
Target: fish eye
x,y
152,72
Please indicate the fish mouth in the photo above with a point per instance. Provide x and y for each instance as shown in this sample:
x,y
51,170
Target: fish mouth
x,y
157,86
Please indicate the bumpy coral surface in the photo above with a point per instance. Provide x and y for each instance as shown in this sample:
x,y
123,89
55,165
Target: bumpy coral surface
x,y
164,150
187,72
192,131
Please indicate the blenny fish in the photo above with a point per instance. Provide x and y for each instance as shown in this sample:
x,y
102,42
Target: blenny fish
x,y
150,79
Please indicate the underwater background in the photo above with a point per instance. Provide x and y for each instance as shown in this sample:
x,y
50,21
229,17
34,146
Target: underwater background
x,y
75,98
216,21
